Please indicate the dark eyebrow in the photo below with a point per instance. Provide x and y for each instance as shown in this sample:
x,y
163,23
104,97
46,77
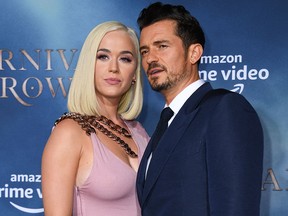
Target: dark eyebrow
x,y
143,47
155,43
160,42
109,51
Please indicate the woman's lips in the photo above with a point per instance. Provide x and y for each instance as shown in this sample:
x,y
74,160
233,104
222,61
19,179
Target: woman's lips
x,y
112,81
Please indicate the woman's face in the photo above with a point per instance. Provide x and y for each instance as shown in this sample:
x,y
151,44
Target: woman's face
x,y
116,63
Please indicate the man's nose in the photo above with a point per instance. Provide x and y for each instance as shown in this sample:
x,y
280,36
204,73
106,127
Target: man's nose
x,y
151,57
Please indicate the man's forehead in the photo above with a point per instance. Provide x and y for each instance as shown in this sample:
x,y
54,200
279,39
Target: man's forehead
x,y
159,31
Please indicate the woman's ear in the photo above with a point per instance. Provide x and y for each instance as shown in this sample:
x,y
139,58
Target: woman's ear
x,y
195,52
133,80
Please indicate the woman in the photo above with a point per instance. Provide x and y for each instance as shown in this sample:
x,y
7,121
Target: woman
x,y
90,161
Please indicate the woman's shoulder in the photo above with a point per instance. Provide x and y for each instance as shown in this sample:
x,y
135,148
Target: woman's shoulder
x,y
74,123
68,132
67,126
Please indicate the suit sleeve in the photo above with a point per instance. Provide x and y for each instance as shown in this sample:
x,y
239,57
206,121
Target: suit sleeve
x,y
234,158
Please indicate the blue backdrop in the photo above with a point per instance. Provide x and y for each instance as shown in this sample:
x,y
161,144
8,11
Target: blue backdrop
x,y
40,42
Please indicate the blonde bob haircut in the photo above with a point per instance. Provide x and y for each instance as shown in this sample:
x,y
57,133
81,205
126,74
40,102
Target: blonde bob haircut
x,y
82,97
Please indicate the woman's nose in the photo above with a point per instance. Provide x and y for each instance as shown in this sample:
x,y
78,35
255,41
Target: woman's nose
x,y
113,67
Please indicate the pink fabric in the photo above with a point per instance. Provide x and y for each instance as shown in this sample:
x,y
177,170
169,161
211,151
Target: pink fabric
x,y
110,190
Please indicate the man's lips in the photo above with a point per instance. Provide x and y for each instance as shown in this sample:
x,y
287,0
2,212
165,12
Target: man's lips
x,y
154,71
113,81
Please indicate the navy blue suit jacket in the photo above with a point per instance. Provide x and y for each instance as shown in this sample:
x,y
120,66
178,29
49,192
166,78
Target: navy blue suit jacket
x,y
208,162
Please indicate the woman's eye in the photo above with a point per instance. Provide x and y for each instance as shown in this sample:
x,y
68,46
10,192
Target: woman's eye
x,y
126,59
102,57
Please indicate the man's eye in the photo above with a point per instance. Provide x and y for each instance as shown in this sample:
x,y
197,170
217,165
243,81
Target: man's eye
x,y
144,52
162,46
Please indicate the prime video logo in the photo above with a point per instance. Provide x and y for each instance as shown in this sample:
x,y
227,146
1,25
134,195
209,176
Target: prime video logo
x,y
238,88
19,189
27,210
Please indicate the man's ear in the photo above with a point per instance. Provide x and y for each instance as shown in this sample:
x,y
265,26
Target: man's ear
x,y
195,52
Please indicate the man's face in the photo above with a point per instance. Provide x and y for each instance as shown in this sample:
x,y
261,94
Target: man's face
x,y
163,57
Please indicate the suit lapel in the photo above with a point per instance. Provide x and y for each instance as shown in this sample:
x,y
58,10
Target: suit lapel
x,y
165,147
140,181
167,143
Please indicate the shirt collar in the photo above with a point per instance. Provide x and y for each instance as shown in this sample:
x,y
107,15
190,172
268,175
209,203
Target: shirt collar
x,y
181,98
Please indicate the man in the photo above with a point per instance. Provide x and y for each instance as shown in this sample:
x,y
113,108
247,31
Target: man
x,y
209,159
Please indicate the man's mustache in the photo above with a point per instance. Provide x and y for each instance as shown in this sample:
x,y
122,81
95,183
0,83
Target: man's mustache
x,y
156,65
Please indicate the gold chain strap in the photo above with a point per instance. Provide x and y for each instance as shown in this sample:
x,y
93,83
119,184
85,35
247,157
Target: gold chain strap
x,y
88,123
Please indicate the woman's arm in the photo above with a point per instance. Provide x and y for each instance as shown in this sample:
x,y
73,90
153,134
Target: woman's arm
x,y
59,167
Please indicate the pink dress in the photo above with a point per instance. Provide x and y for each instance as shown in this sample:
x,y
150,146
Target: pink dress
x,y
110,189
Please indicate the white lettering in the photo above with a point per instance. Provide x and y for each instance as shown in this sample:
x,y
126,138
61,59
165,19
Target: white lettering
x,y
244,74
222,59
14,192
39,192
210,75
25,178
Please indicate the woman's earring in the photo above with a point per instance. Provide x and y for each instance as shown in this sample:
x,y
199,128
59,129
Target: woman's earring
x,y
133,82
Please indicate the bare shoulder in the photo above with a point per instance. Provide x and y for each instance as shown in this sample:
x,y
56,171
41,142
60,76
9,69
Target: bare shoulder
x,y
67,134
68,127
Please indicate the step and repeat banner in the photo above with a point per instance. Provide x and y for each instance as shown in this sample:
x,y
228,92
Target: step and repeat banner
x,y
40,41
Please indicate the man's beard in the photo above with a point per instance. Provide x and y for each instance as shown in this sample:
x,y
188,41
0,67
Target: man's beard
x,y
160,86
170,81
